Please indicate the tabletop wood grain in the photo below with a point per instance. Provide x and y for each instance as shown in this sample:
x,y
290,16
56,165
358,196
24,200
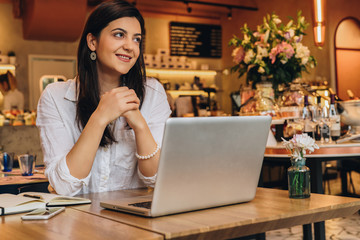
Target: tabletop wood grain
x,y
271,209
14,177
71,224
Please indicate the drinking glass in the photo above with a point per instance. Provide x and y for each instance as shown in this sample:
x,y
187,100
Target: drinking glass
x,y
27,164
6,161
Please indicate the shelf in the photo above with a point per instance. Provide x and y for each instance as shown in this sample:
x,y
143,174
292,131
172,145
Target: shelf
x,y
7,66
181,72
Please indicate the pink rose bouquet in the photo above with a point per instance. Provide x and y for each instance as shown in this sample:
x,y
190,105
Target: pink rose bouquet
x,y
273,51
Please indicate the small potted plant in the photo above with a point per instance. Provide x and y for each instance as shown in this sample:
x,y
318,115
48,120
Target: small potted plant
x,y
12,57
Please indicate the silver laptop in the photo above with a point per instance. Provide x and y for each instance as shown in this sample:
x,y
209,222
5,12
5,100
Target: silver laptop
x,y
204,162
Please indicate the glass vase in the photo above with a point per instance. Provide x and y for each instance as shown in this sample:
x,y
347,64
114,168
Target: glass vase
x,y
299,179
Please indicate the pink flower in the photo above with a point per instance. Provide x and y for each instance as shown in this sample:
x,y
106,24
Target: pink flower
x,y
287,49
273,53
283,47
238,54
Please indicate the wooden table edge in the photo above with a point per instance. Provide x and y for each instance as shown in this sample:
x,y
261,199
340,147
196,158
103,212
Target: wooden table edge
x,y
163,236
321,214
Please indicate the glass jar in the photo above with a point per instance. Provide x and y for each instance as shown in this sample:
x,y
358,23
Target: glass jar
x,y
291,101
299,179
262,103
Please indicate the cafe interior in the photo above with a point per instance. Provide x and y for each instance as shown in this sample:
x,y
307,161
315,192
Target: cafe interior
x,y
199,51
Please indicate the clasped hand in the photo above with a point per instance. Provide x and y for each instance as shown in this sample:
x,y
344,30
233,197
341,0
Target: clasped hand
x,y
117,102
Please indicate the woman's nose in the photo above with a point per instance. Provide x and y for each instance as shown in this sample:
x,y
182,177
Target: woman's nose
x,y
128,44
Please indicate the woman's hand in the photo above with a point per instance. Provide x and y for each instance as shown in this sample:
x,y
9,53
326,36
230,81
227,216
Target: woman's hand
x,y
116,103
135,120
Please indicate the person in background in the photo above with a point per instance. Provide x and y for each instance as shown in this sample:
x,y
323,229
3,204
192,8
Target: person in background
x,y
12,97
102,130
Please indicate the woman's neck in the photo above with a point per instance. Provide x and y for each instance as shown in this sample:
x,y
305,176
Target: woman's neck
x,y
108,82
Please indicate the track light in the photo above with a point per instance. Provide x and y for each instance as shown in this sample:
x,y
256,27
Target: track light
x,y
229,15
188,8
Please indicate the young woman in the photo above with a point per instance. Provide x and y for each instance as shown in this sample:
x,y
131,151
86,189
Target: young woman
x,y
102,130
12,97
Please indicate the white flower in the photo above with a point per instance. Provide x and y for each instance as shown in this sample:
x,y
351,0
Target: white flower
x,y
298,38
302,52
246,39
299,144
261,70
261,52
266,38
249,55
291,32
277,20
290,23
304,60
302,20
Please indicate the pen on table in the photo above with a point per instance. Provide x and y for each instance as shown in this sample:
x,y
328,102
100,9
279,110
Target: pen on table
x,y
32,196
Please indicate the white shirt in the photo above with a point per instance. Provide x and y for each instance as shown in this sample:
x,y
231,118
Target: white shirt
x,y
13,99
114,167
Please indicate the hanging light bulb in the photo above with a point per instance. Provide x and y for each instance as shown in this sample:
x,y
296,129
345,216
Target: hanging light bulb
x,y
188,8
319,7
229,16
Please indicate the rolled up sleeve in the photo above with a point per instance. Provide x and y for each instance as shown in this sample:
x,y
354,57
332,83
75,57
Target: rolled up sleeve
x,y
56,142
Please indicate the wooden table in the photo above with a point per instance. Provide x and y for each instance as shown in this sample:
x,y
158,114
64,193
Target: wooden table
x,y
271,209
11,182
326,152
71,224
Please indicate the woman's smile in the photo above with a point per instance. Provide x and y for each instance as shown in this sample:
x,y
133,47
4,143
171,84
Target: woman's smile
x,y
123,57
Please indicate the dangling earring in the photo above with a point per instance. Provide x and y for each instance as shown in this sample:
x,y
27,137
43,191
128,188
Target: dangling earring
x,y
93,55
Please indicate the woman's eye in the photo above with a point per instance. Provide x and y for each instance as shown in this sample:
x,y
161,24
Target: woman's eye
x,y
138,39
119,34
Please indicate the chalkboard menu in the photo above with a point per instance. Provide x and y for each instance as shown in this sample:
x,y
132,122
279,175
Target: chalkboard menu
x,y
195,40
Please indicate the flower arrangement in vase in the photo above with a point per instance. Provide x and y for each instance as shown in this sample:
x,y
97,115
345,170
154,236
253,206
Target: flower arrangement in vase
x,y
298,173
273,51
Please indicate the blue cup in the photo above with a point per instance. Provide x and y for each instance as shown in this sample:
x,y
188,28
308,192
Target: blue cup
x,y
6,161
27,164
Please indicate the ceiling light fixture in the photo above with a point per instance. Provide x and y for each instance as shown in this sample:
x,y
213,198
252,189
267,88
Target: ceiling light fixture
x,y
229,15
319,7
238,6
188,8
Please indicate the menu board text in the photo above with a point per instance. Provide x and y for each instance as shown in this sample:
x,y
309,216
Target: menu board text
x,y
195,40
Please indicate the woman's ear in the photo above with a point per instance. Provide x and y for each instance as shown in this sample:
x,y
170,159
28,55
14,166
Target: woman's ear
x,y
91,42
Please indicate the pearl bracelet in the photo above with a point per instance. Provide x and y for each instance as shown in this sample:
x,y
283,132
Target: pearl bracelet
x,y
150,155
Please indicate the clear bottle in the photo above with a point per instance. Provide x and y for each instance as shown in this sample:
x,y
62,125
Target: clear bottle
x,y
317,118
307,117
325,129
334,119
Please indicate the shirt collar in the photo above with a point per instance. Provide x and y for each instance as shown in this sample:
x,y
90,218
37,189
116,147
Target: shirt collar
x,y
71,91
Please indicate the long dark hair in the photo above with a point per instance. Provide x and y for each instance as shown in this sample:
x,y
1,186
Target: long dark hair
x,y
87,79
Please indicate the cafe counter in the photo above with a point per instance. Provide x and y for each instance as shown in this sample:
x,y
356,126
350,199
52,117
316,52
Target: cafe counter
x,y
21,140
